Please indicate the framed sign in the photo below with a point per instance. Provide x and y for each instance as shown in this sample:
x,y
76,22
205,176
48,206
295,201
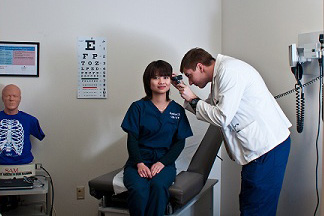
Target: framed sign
x,y
19,58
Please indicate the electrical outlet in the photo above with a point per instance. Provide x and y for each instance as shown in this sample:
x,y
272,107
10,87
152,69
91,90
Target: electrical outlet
x,y
80,192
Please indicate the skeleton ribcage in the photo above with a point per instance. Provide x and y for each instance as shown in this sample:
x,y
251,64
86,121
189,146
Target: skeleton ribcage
x,y
11,136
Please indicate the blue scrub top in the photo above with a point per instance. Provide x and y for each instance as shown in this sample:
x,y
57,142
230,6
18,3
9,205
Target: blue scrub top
x,y
154,129
15,131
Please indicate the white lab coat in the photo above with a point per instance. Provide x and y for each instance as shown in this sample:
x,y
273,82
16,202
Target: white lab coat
x,y
240,103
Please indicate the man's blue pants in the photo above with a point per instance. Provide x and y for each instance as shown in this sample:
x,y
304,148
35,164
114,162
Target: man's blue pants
x,y
262,181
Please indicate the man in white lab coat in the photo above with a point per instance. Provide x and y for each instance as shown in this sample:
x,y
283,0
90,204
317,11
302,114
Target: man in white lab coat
x,y
256,131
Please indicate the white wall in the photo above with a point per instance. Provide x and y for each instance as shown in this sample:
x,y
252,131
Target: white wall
x,y
83,137
259,32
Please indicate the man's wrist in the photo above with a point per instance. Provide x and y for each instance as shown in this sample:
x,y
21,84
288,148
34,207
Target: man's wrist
x,y
193,103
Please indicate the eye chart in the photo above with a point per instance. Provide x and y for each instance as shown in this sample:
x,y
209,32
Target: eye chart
x,y
92,67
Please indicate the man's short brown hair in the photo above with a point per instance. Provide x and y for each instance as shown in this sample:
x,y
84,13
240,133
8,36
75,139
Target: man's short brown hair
x,y
195,56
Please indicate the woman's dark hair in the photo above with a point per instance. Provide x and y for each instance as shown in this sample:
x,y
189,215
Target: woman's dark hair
x,y
155,68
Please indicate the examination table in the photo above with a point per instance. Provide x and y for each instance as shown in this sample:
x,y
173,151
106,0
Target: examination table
x,y
187,185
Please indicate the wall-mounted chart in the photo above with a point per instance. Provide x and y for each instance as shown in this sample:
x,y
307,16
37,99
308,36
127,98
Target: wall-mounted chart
x,y
92,67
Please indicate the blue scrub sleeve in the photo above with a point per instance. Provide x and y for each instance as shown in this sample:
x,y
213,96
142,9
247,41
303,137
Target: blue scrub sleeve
x,y
171,156
184,129
130,123
133,149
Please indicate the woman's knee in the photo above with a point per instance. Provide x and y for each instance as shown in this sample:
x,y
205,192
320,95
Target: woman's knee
x,y
160,184
137,186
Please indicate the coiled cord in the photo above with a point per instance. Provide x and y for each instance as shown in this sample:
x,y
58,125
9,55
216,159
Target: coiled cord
x,y
300,107
300,101
293,90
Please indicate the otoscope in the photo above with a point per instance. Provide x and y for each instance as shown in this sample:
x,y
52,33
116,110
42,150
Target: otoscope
x,y
177,78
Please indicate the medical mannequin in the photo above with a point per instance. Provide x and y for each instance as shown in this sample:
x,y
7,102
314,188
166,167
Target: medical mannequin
x,y
15,129
157,128
256,131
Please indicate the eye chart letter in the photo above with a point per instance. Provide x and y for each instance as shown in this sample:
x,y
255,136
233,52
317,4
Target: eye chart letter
x,y
92,67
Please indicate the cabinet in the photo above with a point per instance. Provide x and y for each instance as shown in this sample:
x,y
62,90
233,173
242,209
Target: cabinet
x,y
35,201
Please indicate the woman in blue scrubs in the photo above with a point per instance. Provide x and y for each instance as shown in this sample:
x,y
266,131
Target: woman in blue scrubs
x,y
157,128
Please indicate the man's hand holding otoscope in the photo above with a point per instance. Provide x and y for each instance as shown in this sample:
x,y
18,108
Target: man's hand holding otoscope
x,y
184,90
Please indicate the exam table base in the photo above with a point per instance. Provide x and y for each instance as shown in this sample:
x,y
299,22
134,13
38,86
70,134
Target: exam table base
x,y
201,204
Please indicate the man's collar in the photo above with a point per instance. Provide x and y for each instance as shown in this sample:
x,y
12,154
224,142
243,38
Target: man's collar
x,y
217,64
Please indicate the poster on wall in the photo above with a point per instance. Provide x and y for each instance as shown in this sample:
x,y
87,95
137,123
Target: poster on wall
x,y
92,67
19,58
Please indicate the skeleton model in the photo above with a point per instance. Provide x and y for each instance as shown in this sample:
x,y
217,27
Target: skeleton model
x,y
11,136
